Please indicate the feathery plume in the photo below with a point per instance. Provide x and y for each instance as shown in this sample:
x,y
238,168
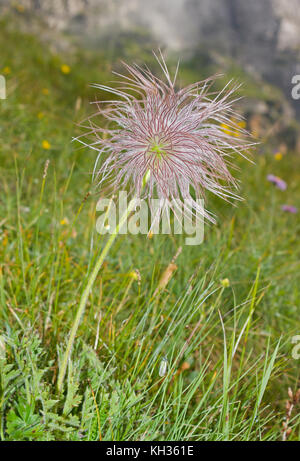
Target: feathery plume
x,y
174,137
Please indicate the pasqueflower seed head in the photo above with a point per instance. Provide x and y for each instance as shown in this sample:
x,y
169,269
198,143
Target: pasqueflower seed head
x,y
172,136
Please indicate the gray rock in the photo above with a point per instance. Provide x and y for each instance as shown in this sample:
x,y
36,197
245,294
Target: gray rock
x,y
263,35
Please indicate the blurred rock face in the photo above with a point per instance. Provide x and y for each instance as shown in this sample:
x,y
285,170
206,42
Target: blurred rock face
x,y
263,35
181,23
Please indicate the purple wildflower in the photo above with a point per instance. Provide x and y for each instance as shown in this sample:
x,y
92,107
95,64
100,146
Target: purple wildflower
x,y
280,183
289,209
175,137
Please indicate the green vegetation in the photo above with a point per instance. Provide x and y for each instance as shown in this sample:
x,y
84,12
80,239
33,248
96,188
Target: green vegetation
x,y
219,331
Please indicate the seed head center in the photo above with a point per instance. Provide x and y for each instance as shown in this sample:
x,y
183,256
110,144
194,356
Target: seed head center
x,y
157,148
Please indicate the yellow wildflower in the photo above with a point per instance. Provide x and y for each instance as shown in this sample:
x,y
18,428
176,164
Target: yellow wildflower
x,y
225,283
46,144
65,69
226,129
64,222
5,240
134,275
6,70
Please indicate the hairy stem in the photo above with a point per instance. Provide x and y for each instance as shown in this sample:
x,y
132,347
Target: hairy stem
x,y
85,295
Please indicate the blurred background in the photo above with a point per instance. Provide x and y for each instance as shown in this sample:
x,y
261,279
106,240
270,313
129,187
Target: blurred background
x,y
255,42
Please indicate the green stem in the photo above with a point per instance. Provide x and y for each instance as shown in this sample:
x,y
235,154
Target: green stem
x,y
85,295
